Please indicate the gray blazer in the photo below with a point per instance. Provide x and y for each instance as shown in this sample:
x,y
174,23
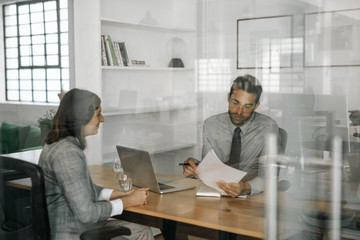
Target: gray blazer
x,y
72,197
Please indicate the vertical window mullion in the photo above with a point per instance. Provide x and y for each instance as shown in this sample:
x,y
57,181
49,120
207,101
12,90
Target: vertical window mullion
x,y
32,56
59,41
5,56
19,55
59,31
45,54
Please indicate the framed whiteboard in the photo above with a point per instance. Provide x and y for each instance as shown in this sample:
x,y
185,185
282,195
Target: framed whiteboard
x,y
332,39
264,42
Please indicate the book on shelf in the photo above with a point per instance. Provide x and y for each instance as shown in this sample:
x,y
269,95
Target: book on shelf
x,y
114,53
119,61
124,54
109,57
104,61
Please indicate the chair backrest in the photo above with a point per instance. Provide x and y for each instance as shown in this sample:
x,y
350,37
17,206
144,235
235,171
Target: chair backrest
x,y
38,226
283,136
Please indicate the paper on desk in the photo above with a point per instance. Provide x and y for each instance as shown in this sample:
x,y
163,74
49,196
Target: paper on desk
x,y
212,170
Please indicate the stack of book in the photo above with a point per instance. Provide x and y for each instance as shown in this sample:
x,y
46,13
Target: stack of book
x,y
113,53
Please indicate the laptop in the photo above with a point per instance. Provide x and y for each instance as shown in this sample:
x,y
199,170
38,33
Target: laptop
x,y
138,163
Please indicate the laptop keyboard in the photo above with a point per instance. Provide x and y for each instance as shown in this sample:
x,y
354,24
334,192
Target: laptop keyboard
x,y
163,186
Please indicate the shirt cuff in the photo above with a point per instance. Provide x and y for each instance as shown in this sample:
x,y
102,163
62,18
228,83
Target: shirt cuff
x,y
117,207
105,194
256,185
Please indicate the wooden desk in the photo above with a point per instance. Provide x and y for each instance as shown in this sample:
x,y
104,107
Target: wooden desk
x,y
29,156
240,216
234,215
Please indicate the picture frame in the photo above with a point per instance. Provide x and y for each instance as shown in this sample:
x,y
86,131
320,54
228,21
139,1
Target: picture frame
x,y
330,38
264,43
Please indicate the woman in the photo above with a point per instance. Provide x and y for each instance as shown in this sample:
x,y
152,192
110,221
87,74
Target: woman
x,y
74,202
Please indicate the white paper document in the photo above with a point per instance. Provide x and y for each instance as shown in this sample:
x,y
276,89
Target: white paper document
x,y
212,170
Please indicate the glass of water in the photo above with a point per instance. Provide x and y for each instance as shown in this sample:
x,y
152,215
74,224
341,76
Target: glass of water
x,y
117,165
124,181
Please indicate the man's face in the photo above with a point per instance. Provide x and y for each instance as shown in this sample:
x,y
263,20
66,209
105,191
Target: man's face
x,y
241,106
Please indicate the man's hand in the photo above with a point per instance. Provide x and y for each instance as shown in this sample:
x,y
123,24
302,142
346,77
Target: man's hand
x,y
137,197
191,168
235,189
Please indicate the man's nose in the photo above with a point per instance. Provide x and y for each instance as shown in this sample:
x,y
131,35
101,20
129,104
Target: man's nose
x,y
240,110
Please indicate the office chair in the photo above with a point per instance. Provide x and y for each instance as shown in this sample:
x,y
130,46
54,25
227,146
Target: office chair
x,y
283,138
36,224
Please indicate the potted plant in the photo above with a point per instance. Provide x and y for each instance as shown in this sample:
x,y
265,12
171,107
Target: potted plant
x,y
45,122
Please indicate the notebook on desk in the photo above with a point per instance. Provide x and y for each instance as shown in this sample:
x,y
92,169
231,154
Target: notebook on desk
x,y
206,191
138,163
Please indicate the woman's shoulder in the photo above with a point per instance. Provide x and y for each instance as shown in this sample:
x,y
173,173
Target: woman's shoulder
x,y
65,150
68,143
64,146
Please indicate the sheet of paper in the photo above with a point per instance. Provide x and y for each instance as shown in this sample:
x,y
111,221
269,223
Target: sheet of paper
x,y
206,191
212,170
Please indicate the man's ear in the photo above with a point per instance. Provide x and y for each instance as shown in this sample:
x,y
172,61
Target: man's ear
x,y
228,97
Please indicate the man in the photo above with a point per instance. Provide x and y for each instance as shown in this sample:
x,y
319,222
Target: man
x,y
219,130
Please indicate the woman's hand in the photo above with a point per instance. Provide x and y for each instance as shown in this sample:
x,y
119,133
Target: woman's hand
x,y
137,197
119,194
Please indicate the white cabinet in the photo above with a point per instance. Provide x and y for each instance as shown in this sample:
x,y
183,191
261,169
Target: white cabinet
x,y
152,107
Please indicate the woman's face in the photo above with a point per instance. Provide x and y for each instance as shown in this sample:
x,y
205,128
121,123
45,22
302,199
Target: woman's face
x,y
92,127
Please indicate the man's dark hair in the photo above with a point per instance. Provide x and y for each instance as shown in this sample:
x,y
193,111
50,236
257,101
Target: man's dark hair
x,y
76,109
249,84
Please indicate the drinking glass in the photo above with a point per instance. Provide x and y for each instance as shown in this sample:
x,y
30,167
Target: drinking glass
x,y
124,181
117,165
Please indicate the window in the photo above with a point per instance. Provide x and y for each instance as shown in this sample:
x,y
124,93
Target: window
x,y
36,50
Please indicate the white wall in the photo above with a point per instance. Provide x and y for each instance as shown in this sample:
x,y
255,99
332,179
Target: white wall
x,y
219,41
87,62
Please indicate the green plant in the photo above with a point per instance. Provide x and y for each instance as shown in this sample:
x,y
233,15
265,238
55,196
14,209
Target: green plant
x,y
47,118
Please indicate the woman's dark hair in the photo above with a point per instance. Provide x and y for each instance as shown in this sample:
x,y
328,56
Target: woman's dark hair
x,y
76,109
249,84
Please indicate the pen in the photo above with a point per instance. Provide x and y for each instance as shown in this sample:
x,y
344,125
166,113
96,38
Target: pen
x,y
186,164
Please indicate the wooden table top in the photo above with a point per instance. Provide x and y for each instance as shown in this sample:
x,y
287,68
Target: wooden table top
x,y
236,215
31,156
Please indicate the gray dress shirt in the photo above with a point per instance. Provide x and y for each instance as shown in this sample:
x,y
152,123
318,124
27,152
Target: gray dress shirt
x,y
218,132
71,196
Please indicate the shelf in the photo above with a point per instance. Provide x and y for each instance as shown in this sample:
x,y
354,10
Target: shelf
x,y
145,26
117,68
116,111
167,148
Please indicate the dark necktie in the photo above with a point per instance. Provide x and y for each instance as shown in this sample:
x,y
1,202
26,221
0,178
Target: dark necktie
x,y
235,148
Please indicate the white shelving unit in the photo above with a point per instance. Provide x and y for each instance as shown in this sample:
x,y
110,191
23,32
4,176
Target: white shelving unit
x,y
166,69
145,26
115,111
154,107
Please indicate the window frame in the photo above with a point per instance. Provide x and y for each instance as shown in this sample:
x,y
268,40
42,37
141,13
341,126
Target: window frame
x,y
63,81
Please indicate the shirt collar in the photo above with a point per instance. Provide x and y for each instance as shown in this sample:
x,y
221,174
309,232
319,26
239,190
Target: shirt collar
x,y
244,127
